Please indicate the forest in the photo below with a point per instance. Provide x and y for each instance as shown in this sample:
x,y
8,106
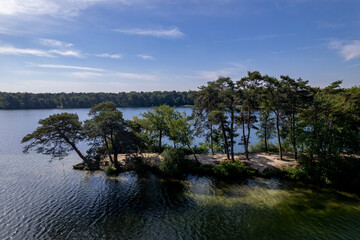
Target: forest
x,y
319,127
87,100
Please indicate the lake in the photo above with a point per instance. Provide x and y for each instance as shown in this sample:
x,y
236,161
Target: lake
x,y
49,200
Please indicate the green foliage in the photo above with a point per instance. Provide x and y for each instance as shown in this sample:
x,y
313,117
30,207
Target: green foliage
x,y
235,170
162,121
330,133
79,166
266,129
106,133
88,100
204,147
56,135
111,170
259,147
323,125
294,173
174,162
341,172
108,130
180,129
154,124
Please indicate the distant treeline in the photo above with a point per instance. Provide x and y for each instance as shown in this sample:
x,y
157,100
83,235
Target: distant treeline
x,y
87,100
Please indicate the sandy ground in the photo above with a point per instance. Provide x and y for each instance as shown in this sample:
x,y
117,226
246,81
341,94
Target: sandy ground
x,y
258,161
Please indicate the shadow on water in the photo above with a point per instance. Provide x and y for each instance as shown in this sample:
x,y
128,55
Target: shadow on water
x,y
132,206
125,206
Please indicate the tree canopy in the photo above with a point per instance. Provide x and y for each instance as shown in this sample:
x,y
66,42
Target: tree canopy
x,y
320,127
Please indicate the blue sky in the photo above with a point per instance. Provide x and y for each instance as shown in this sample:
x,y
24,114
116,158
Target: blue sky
x,y
147,45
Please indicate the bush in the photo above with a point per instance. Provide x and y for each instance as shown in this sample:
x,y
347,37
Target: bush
x,y
260,147
174,162
233,170
292,173
79,166
338,171
110,170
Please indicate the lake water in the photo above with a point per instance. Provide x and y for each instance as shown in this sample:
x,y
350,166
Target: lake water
x,y
43,200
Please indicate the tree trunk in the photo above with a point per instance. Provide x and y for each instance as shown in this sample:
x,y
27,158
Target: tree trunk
x,y
232,135
266,147
248,132
293,133
114,151
192,151
108,150
88,162
225,140
278,134
211,139
160,136
244,137
265,136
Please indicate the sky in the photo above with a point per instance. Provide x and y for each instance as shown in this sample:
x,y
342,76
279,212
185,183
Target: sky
x,y
149,45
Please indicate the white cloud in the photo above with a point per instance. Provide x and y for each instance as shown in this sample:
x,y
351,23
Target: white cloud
x,y
261,37
113,56
347,49
172,32
355,65
55,43
146,57
10,50
136,76
67,53
68,67
58,8
41,86
86,74
33,7
330,25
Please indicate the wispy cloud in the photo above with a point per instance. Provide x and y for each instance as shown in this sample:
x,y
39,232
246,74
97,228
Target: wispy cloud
x,y
172,32
41,86
260,37
67,53
347,49
137,76
63,8
329,25
256,38
10,50
113,56
355,65
86,74
68,67
146,57
55,43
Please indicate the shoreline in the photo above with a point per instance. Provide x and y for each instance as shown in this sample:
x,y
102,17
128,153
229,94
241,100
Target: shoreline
x,y
261,163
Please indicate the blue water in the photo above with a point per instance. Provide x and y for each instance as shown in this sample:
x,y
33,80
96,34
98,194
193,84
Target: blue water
x,y
49,200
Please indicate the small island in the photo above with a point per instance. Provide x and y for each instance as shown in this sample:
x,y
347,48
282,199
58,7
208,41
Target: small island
x,y
316,133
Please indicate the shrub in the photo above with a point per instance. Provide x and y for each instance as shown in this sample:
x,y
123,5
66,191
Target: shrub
x,y
338,171
233,170
294,173
79,166
174,162
260,147
110,170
